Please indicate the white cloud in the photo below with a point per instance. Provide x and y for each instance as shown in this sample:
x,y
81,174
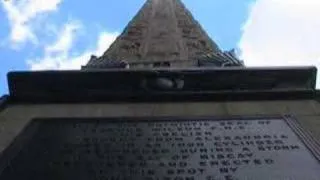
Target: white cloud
x,y
58,56
282,33
65,38
21,15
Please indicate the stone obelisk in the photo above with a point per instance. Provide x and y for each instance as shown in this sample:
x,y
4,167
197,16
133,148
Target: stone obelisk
x,y
163,34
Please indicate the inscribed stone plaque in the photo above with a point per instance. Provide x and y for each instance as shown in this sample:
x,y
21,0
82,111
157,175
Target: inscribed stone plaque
x,y
162,149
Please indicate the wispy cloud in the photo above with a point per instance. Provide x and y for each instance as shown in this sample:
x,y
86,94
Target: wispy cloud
x,y
282,33
65,38
58,55
21,15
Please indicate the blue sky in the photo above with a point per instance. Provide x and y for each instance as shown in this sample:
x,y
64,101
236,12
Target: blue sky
x,y
61,34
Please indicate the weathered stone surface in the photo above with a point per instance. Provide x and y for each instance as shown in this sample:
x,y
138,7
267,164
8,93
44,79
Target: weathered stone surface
x,y
162,148
163,30
15,117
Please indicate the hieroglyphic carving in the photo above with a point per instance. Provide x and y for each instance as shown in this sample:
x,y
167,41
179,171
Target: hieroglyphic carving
x,y
163,30
196,40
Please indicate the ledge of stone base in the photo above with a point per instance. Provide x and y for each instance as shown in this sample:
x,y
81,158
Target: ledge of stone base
x,y
3,101
217,84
